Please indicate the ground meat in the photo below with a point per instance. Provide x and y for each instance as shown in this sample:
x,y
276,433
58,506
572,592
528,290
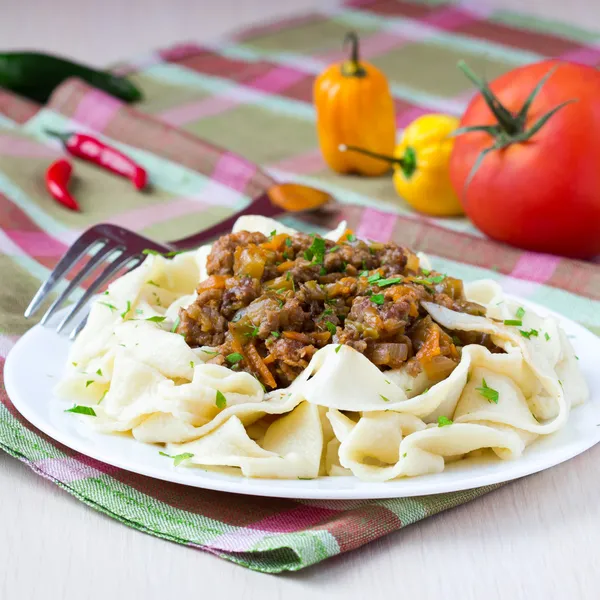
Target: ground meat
x,y
275,300
220,260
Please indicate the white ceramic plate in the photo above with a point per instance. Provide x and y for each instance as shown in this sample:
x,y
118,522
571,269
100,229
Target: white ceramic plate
x,y
36,363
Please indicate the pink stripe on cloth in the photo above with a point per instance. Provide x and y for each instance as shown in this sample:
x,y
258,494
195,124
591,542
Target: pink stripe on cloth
x,y
180,51
23,147
37,243
406,117
376,225
535,267
587,55
302,164
67,469
6,344
293,520
234,171
145,216
96,109
449,18
277,79
194,111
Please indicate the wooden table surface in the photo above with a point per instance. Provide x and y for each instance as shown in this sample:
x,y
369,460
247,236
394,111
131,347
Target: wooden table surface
x,y
534,538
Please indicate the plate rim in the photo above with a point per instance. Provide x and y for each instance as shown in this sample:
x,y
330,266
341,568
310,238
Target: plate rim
x,y
315,489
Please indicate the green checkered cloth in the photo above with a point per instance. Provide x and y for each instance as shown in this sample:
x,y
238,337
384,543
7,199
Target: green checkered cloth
x,y
253,97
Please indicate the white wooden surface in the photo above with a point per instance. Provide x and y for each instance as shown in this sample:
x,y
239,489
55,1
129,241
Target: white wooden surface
x,y
534,538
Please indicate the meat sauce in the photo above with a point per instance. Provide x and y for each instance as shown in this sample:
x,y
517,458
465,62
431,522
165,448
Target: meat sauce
x,y
270,302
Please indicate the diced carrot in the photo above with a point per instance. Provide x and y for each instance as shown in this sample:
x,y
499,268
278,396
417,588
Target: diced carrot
x,y
213,282
344,236
431,347
285,266
258,366
295,335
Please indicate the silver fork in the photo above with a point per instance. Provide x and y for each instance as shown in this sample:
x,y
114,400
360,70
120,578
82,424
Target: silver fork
x,y
116,249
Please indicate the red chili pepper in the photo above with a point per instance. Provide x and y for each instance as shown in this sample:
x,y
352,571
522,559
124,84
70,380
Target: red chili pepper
x,y
57,180
93,150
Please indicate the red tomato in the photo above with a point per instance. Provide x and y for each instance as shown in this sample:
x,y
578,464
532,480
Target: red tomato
x,y
542,194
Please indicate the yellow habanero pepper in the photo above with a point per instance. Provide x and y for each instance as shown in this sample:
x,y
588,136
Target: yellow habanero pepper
x,y
421,165
354,107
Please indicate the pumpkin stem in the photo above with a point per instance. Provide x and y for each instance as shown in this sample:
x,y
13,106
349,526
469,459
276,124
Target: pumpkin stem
x,y
352,67
408,163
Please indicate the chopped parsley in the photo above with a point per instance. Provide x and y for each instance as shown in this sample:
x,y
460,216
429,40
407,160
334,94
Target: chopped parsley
x,y
425,390
253,332
520,312
404,455
88,383
437,278
111,306
175,325
74,364
103,396
377,299
127,309
275,334
234,358
351,237
178,458
425,272
328,311
576,357
390,281
166,254
280,303
513,322
316,251
373,278
322,271
139,311
213,352
488,393
443,421
288,242
99,372
547,336
220,400
364,274
191,364
456,340
337,348
156,319
334,248
388,382
82,410
150,282
330,327
384,398
528,334
273,234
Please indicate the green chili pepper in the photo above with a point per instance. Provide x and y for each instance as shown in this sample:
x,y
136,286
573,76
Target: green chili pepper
x,y
36,75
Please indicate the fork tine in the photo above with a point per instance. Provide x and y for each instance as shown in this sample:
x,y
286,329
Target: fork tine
x,y
111,269
77,330
82,245
100,256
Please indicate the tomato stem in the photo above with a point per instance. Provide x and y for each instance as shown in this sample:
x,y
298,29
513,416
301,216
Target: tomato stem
x,y
510,128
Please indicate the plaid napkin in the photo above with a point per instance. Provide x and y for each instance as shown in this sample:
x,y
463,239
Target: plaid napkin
x,y
253,97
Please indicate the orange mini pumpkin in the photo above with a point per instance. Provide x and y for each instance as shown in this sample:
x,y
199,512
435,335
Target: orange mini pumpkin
x,y
354,108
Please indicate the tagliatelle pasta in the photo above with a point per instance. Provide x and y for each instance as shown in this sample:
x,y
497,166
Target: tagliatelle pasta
x,y
464,374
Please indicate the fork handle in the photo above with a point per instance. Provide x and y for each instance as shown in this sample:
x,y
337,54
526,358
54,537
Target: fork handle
x,y
260,206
